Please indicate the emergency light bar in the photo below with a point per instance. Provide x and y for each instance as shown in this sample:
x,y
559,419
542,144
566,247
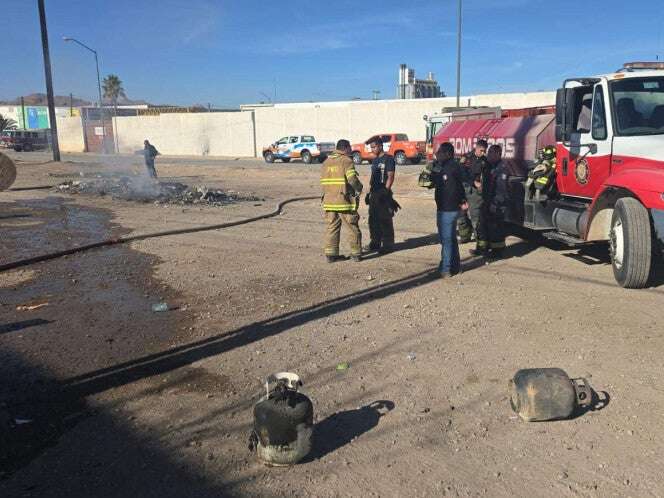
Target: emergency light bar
x,y
635,66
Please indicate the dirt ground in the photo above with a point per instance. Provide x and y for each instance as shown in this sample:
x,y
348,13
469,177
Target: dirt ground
x,y
117,400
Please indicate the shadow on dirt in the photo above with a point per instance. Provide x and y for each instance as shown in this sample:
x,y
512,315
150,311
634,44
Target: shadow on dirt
x,y
24,324
147,366
599,401
341,428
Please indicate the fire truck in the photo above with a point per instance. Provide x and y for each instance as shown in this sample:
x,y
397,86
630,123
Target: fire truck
x,y
608,131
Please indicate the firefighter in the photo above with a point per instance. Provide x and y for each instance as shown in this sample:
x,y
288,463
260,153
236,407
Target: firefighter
x,y
473,164
341,193
382,205
497,200
541,177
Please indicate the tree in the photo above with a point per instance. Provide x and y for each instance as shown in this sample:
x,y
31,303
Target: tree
x,y
113,89
7,123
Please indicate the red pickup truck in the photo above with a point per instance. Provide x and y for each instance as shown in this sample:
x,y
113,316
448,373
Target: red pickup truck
x,y
396,144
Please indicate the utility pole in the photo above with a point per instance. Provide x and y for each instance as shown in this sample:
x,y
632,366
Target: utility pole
x,y
375,93
49,82
458,88
71,105
23,112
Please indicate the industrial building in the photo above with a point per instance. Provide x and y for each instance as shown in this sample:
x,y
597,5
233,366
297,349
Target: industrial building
x,y
411,88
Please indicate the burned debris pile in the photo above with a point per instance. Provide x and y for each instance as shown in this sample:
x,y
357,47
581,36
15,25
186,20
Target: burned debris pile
x,y
146,190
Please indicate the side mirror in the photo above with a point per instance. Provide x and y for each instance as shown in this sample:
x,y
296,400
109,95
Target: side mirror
x,y
564,114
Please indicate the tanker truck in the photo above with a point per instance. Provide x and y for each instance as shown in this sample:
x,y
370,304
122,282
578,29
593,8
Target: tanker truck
x,y
608,132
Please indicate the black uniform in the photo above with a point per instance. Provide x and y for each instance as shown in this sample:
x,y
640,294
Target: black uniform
x,y
381,205
472,167
495,203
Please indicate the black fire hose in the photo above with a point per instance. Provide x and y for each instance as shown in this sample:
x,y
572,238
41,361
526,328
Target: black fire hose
x,y
21,189
132,238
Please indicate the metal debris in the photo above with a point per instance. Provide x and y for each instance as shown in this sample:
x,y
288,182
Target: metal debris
x,y
141,189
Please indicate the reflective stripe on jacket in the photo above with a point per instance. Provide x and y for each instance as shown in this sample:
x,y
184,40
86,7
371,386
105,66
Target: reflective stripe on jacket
x,y
340,184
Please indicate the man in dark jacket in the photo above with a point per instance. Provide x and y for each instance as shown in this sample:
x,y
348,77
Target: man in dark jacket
x,y
150,152
380,201
447,177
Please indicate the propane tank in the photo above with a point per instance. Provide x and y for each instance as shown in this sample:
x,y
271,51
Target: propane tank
x,y
7,172
283,422
538,394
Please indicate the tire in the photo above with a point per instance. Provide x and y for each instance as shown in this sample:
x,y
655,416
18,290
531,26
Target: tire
x,y
306,157
400,158
630,242
416,160
357,158
286,159
269,157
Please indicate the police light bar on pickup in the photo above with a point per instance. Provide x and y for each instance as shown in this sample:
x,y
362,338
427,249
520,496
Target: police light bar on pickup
x,y
636,66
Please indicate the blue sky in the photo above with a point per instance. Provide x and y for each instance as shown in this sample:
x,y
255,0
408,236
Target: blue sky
x,y
233,52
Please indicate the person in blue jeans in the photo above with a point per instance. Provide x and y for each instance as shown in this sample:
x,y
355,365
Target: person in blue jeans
x,y
450,195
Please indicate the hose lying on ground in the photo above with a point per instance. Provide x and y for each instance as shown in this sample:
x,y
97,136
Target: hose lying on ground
x,y
38,187
133,238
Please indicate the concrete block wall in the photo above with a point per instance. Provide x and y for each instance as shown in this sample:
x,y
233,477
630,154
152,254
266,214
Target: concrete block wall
x,y
198,134
357,121
70,134
233,133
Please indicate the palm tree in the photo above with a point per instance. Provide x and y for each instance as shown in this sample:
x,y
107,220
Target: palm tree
x,y
113,89
7,123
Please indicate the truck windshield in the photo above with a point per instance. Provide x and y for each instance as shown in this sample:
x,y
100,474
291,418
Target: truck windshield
x,y
434,128
638,105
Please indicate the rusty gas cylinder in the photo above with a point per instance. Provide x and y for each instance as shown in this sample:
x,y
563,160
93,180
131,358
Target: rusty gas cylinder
x,y
538,394
283,421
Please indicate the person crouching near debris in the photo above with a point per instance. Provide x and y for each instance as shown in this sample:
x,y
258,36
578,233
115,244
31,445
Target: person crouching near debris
x,y
149,153
341,193
447,178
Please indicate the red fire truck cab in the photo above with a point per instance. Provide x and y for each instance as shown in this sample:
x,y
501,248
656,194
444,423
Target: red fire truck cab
x,y
609,185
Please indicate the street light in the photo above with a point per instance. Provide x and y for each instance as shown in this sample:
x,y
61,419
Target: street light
x,y
458,82
101,113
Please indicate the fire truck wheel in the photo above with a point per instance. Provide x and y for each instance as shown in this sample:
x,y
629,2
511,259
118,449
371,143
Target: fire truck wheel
x,y
357,158
286,159
416,160
306,157
400,158
630,243
269,157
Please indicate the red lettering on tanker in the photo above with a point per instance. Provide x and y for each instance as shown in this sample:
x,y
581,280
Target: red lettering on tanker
x,y
463,145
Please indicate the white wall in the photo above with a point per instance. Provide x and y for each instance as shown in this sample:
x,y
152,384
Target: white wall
x,y
358,120
199,134
232,133
70,134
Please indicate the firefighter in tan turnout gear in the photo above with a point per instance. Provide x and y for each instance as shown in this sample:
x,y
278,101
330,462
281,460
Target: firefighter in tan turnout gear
x,y
341,193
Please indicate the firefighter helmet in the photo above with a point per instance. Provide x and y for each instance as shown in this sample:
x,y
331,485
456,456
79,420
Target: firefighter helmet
x,y
548,152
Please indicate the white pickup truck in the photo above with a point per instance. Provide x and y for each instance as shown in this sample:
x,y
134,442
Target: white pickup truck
x,y
302,147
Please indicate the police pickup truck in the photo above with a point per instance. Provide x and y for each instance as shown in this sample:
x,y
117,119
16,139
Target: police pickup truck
x,y
302,147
